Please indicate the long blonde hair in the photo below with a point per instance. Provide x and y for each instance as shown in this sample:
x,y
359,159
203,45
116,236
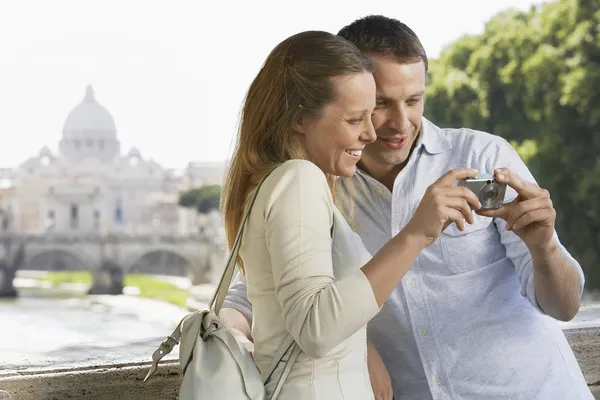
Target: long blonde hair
x,y
295,78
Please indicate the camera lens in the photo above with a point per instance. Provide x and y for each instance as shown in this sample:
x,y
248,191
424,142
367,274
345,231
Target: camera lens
x,y
488,194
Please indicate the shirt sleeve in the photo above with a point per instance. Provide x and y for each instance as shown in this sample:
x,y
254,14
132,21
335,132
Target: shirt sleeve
x,y
319,311
237,297
504,156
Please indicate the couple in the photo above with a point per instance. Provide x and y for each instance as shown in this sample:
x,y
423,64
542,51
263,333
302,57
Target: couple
x,y
361,246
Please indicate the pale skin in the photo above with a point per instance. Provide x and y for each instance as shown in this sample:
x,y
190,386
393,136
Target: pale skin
x,y
398,114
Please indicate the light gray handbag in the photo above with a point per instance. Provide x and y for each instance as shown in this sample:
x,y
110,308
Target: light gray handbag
x,y
214,364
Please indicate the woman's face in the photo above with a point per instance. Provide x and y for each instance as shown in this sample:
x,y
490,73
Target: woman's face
x,y
334,140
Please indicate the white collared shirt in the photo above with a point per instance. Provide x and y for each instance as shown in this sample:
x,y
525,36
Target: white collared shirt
x,y
464,323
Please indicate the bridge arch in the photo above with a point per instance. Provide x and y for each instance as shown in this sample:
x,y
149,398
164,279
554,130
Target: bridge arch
x,y
58,259
161,260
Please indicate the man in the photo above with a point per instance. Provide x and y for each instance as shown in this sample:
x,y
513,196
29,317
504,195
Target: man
x,y
475,317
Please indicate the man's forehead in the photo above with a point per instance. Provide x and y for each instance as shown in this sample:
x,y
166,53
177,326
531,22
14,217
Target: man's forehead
x,y
394,78
404,90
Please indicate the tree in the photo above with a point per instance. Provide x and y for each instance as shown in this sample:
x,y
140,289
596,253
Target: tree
x,y
204,199
533,78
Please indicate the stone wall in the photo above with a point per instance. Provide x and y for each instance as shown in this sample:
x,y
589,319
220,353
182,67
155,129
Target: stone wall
x,y
585,343
125,381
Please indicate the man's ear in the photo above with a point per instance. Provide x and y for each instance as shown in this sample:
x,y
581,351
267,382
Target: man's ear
x,y
300,121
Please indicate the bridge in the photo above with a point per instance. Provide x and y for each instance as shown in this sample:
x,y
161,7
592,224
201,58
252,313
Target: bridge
x,y
110,257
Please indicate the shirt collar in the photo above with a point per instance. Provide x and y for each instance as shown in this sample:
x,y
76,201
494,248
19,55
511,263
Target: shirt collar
x,y
432,138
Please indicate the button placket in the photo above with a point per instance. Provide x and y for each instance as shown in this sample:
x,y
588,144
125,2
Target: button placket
x,y
422,330
403,204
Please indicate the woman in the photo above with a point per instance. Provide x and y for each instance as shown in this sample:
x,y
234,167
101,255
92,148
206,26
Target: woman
x,y
306,119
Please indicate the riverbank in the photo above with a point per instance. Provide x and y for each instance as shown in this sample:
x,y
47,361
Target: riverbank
x,y
173,290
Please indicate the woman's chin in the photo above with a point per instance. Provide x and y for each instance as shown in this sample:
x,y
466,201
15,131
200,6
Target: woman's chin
x,y
346,172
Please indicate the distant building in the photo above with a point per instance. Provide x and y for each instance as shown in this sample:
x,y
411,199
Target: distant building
x,y
90,186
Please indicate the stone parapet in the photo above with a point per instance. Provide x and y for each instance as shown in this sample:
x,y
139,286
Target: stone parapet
x,y
113,380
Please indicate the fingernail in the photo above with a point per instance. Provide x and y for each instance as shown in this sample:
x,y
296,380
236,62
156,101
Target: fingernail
x,y
501,176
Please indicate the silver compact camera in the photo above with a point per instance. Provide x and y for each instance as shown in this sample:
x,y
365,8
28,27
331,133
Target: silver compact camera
x,y
489,192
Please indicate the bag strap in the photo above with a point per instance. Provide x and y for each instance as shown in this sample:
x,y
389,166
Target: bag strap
x,y
281,351
219,297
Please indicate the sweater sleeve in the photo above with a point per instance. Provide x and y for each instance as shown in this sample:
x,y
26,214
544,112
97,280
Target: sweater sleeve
x,y
319,311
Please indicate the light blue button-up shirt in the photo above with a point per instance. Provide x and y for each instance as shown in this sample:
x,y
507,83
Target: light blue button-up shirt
x,y
464,323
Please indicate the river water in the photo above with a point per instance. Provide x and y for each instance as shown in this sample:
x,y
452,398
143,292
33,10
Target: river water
x,y
50,329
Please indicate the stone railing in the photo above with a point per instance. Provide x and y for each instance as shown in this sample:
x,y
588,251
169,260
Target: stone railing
x,y
113,379
75,238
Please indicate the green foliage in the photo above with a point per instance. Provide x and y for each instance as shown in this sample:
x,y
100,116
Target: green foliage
x,y
57,278
527,149
534,78
204,199
150,287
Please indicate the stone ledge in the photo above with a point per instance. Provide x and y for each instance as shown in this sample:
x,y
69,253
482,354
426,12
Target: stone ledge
x,y
125,381
108,382
585,343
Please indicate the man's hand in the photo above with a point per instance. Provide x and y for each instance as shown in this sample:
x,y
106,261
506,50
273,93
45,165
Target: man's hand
x,y
380,379
239,326
242,339
531,215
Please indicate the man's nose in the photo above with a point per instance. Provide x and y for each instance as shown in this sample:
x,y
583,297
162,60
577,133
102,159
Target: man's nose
x,y
398,120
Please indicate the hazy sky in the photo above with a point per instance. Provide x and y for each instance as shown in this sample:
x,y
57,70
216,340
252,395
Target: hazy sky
x,y
172,73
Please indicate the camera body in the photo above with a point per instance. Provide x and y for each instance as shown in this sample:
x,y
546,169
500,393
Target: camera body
x,y
489,192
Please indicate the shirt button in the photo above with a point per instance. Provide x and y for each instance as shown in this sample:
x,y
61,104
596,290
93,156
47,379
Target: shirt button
x,y
411,282
380,191
437,381
423,331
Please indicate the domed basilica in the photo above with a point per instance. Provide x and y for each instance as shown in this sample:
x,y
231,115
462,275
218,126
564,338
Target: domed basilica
x,y
91,186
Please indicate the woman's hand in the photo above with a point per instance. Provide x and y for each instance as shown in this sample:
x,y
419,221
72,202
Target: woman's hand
x,y
444,204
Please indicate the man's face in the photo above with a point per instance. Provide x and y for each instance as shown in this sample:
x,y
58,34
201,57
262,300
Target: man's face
x,y
397,115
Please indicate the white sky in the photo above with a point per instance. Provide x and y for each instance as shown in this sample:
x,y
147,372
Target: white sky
x,y
172,73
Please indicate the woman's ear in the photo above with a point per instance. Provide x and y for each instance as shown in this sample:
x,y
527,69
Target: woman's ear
x,y
300,120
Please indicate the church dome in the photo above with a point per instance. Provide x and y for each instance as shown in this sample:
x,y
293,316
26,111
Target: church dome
x,y
89,118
